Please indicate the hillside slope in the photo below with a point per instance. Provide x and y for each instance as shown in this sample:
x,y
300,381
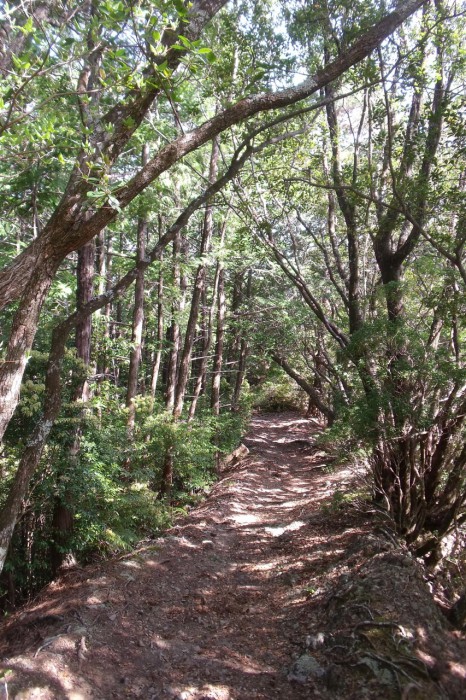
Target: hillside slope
x,y
266,590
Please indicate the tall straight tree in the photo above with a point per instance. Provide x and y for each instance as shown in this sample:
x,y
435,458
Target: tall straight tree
x,y
63,511
138,312
198,291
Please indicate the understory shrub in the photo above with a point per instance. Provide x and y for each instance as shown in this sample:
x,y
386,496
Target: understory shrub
x,y
107,490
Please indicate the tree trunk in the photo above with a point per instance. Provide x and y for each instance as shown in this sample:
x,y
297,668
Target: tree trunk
x,y
200,361
35,443
240,374
348,210
313,394
205,347
243,354
218,359
21,338
185,360
167,473
62,528
84,293
174,331
159,336
63,511
199,287
138,314
234,346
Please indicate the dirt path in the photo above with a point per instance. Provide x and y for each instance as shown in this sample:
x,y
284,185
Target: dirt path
x,y
217,609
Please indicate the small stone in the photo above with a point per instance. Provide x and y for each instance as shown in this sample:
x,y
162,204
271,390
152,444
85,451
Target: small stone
x,y
305,667
208,544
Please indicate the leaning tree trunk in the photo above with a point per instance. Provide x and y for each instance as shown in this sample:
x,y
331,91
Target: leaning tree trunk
x,y
22,335
310,390
35,444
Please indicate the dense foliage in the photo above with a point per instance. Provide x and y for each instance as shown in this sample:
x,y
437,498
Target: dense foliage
x,y
172,252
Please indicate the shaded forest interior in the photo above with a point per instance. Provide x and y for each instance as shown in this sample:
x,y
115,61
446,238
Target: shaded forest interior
x,y
260,592
215,207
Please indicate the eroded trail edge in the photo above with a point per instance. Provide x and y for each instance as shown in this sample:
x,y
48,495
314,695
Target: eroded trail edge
x,y
225,604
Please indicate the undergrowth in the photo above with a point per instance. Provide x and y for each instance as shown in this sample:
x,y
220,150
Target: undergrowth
x,y
103,498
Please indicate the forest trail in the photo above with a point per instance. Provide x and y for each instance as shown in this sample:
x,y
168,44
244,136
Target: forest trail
x,y
217,609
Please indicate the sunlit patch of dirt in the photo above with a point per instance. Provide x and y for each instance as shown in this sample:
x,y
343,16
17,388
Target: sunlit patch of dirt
x,y
269,572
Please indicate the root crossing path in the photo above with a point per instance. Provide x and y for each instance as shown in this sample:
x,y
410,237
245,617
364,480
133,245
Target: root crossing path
x,y
216,609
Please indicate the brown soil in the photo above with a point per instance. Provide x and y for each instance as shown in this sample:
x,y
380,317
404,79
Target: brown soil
x,y
269,589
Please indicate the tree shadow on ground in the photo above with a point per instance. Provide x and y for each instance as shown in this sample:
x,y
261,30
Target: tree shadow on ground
x,y
224,604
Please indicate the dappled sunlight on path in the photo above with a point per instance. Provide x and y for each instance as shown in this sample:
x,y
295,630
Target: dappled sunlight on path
x,y
216,609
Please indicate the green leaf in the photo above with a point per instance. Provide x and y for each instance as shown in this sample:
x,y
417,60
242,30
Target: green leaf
x,y
28,27
114,203
185,41
208,53
180,8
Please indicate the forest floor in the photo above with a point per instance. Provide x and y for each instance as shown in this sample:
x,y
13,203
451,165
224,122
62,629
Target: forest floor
x,y
271,588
